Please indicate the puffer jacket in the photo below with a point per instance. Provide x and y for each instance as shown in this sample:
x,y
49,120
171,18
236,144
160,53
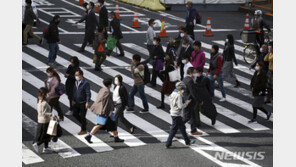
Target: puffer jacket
x,y
104,103
176,103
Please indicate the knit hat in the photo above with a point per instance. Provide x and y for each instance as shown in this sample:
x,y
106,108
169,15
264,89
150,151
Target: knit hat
x,y
180,85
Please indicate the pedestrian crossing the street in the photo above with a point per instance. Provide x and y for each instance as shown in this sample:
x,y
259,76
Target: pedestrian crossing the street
x,y
233,115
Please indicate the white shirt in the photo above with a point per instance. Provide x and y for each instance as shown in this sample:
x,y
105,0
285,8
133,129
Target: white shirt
x,y
78,83
186,66
116,97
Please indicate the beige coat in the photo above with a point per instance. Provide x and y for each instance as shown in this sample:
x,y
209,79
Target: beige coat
x,y
104,103
44,111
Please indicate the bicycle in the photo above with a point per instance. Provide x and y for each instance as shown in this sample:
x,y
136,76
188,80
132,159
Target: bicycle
x,y
251,50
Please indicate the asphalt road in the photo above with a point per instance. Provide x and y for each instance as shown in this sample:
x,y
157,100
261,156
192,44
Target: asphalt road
x,y
230,135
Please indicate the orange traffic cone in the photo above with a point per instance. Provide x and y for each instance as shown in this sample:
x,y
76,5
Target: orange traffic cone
x,y
101,49
80,2
247,25
162,30
208,28
97,9
117,11
136,21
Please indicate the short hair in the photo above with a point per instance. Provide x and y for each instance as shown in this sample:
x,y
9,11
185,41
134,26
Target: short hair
x,y
84,4
75,61
101,1
56,17
181,27
92,4
80,72
199,69
216,47
187,56
150,21
180,85
157,39
230,39
107,82
136,57
190,70
119,78
197,43
29,2
184,29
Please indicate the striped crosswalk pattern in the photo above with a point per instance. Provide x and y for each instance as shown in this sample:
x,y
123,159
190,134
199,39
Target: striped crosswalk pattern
x,y
229,120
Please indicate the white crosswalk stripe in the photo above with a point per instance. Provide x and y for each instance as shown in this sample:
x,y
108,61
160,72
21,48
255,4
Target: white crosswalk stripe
x,y
142,124
231,99
29,157
63,149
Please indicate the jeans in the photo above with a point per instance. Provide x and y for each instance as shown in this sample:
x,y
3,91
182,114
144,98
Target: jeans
x,y
177,124
53,51
132,93
79,113
119,108
219,79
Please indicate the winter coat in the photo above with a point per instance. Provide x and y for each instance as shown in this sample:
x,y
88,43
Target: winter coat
x,y
44,111
104,103
51,84
177,103
198,59
258,83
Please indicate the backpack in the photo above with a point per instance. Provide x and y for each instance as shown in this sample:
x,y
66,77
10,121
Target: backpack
x,y
146,77
60,90
45,33
197,17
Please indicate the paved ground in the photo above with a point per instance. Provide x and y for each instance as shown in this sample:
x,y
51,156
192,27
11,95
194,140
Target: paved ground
x,y
231,135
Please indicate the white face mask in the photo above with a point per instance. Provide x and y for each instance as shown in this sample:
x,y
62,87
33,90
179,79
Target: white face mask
x,y
39,98
269,48
77,78
48,74
182,35
87,7
154,25
116,82
184,61
154,43
257,68
226,40
182,91
261,50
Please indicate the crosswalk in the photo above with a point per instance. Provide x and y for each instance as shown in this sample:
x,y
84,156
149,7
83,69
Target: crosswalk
x,y
233,114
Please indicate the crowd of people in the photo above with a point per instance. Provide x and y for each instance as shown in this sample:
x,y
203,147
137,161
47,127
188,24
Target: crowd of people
x,y
181,68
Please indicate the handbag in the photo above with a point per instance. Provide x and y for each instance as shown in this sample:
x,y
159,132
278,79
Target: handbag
x,y
158,65
111,43
52,128
175,75
60,90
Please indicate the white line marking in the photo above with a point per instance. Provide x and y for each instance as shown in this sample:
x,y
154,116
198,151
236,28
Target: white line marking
x,y
130,140
29,157
63,149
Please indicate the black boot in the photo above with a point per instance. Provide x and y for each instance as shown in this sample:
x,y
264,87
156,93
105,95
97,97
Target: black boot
x,y
117,139
237,84
88,138
161,106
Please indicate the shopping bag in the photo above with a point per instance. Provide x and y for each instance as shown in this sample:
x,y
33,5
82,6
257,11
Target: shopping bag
x,y
175,75
52,128
111,43
95,58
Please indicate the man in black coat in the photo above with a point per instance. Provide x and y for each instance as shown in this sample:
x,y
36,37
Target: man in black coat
x,y
103,19
186,50
90,25
116,33
190,93
203,89
53,39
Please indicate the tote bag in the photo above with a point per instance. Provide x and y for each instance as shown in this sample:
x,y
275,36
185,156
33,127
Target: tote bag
x,y
175,75
52,128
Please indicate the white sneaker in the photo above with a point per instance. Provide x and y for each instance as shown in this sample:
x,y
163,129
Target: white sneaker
x,y
36,147
69,113
47,150
222,99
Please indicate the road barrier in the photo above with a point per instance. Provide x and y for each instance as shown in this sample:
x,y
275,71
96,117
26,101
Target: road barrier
x,y
148,4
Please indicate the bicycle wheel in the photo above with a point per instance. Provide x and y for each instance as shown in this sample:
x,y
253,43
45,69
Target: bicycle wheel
x,y
250,53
